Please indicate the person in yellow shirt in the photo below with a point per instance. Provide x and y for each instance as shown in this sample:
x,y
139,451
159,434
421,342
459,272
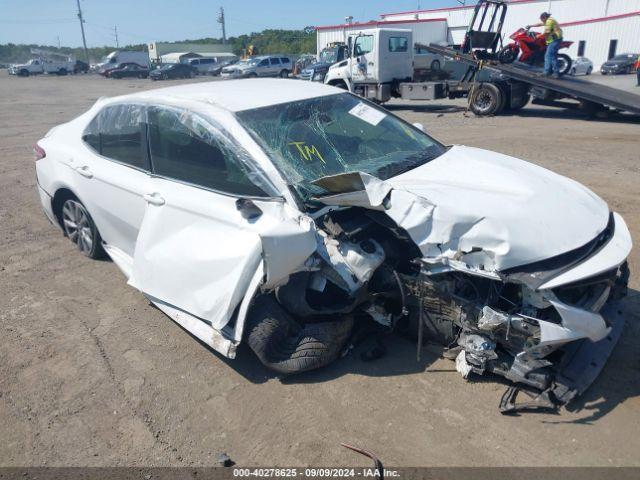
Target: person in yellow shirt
x,y
553,37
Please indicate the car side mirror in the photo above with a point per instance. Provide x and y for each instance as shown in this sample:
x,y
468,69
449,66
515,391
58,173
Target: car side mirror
x,y
248,209
419,126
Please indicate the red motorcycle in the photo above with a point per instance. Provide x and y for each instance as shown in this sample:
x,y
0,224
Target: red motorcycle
x,y
530,47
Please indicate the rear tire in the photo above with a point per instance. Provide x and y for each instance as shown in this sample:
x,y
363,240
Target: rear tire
x,y
79,227
589,70
287,347
487,99
284,74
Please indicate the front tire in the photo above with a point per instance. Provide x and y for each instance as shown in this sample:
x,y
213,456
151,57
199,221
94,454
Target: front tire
x,y
564,64
285,346
508,54
80,229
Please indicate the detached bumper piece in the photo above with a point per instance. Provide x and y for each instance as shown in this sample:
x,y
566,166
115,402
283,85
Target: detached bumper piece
x,y
581,364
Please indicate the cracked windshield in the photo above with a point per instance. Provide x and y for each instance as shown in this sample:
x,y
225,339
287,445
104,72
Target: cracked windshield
x,y
335,134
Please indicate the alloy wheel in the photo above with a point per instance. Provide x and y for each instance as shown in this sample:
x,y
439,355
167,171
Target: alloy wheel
x,y
77,226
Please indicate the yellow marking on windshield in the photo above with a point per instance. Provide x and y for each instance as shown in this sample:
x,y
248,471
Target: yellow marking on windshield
x,y
408,132
307,152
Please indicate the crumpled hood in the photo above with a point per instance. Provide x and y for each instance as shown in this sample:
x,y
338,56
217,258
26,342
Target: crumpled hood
x,y
515,211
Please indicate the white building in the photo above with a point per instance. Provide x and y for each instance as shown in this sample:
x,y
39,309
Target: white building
x,y
598,28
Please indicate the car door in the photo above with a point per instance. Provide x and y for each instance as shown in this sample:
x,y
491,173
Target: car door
x,y
263,68
113,173
202,238
362,69
274,66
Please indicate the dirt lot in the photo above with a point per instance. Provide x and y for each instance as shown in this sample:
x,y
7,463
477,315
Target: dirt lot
x,y
90,374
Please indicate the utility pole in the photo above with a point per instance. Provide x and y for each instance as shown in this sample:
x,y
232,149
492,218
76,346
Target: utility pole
x,y
84,40
115,32
221,21
58,37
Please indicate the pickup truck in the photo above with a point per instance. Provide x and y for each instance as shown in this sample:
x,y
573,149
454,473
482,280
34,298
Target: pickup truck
x,y
37,66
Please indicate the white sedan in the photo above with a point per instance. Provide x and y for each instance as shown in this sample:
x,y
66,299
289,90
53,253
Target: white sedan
x,y
283,213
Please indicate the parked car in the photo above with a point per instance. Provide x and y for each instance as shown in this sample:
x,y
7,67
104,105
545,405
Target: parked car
x,y
317,70
201,65
216,69
130,70
581,66
80,67
423,59
115,68
281,213
172,71
262,66
623,63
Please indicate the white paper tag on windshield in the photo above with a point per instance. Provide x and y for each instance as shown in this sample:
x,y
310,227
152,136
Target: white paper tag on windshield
x,y
366,113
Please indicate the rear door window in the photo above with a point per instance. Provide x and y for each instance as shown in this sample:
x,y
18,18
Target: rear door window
x,y
184,147
398,44
117,132
274,61
285,60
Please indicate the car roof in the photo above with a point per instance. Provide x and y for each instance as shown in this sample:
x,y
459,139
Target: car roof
x,y
241,94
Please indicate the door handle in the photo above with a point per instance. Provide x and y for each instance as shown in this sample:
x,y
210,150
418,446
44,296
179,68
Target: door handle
x,y
85,171
154,198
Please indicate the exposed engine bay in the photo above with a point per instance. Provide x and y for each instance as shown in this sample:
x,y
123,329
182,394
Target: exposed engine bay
x,y
366,266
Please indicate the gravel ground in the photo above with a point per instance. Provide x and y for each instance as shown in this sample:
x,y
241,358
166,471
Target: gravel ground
x,y
91,374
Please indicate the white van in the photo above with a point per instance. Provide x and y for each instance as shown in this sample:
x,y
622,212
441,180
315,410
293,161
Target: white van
x,y
201,65
118,57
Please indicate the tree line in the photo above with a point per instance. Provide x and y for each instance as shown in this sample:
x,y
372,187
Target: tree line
x,y
266,41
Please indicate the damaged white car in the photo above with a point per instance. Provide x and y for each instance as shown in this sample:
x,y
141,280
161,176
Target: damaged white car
x,y
283,213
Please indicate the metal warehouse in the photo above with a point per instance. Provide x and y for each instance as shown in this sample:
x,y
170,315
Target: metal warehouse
x,y
599,29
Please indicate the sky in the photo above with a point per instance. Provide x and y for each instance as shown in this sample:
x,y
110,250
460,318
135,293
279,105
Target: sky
x,y
140,21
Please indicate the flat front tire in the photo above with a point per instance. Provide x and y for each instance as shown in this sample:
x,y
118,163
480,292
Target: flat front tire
x,y
286,346
80,229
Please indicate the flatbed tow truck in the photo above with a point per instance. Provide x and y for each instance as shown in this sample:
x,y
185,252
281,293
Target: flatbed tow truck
x,y
519,82
380,67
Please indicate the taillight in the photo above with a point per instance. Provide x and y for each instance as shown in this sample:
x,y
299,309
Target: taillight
x,y
38,152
